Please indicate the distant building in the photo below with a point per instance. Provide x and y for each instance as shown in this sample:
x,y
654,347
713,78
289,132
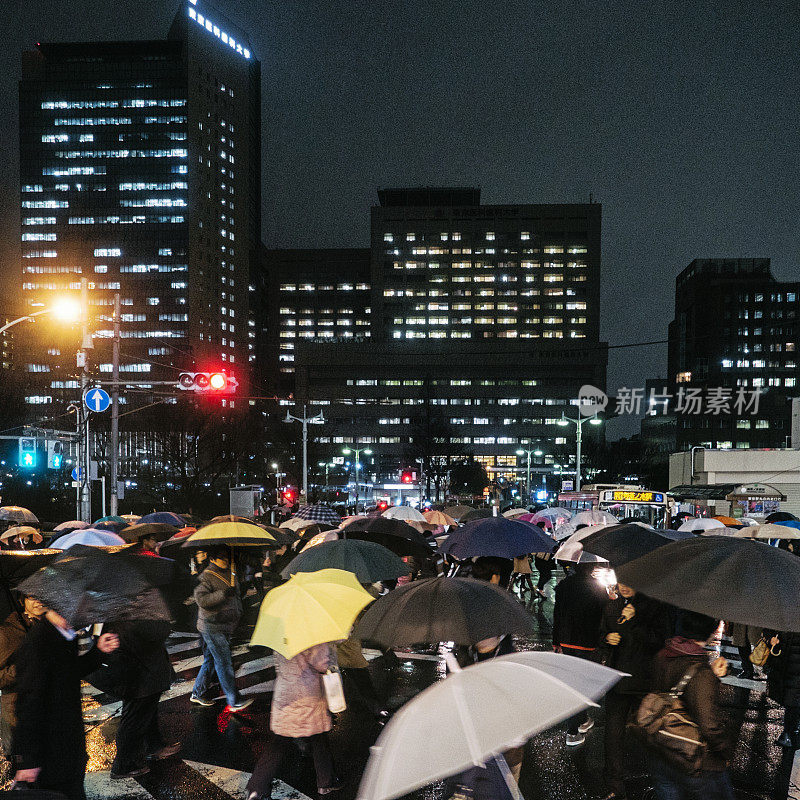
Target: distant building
x,y
140,172
485,324
320,294
734,338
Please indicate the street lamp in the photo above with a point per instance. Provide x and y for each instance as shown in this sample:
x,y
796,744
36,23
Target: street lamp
x,y
357,450
579,423
64,309
317,419
536,452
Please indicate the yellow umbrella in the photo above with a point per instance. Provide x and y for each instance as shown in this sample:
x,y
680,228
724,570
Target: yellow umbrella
x,y
233,534
310,608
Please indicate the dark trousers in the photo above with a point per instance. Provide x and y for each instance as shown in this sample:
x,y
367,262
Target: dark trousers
x,y
618,709
275,751
138,733
672,783
358,685
545,570
70,784
747,664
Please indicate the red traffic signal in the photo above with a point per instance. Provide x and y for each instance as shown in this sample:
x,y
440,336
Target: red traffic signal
x,y
407,476
383,505
288,497
218,382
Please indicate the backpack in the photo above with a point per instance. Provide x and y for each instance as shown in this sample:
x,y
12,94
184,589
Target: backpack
x,y
666,728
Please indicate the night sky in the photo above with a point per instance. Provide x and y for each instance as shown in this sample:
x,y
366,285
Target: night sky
x,y
680,117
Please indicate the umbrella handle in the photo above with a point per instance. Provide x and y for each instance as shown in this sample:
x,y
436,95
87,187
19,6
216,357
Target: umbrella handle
x,y
513,787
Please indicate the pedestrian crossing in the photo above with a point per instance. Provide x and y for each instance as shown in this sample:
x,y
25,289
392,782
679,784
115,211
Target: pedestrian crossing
x,y
231,783
255,674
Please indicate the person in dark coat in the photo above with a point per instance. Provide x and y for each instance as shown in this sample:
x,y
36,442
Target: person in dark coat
x,y
632,630
579,603
783,683
139,672
49,741
12,635
219,612
701,701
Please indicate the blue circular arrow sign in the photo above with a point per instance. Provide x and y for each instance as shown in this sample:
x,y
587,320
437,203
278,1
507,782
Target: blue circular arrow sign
x,y
76,473
97,399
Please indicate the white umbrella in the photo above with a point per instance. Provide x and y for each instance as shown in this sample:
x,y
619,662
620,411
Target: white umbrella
x,y
297,524
405,513
591,518
90,536
573,551
476,714
556,512
320,538
700,524
515,512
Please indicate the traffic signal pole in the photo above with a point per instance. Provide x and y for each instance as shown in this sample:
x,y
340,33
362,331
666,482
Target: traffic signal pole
x,y
114,488
85,480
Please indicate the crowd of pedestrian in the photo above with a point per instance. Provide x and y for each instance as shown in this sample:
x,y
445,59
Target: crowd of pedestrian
x,y
659,649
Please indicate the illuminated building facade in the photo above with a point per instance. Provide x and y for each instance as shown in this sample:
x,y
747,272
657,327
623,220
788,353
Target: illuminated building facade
x,y
314,294
140,172
735,328
485,324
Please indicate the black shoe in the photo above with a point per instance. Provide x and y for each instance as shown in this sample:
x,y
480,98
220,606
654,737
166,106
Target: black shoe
x,y
336,786
784,740
134,773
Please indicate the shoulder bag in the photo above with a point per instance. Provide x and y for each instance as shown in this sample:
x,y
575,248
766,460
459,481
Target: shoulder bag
x,y
667,729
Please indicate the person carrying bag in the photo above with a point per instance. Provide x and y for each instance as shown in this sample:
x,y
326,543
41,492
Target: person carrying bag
x,y
687,744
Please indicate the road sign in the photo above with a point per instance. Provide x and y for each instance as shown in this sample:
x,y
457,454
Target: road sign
x,y
97,400
76,473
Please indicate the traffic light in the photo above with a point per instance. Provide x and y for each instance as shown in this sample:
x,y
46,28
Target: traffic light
x,y
406,476
383,505
27,453
288,497
55,455
214,382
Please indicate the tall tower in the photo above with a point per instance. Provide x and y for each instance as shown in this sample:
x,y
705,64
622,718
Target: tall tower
x,y
140,172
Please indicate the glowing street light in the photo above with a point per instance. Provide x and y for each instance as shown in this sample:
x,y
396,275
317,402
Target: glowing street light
x,y
64,309
579,423
357,450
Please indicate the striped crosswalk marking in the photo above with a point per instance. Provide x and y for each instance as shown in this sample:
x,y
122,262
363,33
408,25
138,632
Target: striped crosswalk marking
x,y
234,783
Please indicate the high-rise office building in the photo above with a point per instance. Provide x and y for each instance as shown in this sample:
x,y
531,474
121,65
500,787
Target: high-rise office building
x,y
140,173
734,336
319,294
485,324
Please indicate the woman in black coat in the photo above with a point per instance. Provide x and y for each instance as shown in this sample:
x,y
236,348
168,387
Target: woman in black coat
x,y
138,674
783,683
633,629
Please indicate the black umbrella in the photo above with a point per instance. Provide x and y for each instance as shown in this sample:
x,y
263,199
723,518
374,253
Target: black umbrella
x,y
110,525
496,536
781,516
368,561
460,610
15,566
457,512
394,534
620,544
739,580
160,530
92,586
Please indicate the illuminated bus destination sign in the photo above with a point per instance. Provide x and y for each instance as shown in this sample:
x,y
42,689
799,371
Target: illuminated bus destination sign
x,y
628,496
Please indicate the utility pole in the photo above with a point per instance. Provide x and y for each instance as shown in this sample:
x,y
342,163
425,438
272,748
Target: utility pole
x,y
115,408
85,480
318,419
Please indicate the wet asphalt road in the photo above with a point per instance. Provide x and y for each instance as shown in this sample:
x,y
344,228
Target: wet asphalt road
x,y
219,750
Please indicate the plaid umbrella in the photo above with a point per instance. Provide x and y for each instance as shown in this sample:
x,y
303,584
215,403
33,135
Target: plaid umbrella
x,y
319,512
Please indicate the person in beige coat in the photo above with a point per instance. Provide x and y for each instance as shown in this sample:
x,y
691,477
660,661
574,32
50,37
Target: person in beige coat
x,y
299,711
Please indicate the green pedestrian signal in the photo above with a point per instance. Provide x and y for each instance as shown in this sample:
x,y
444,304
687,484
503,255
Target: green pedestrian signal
x,y
55,455
27,453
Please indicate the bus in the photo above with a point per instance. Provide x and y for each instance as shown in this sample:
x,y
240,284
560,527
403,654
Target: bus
x,y
622,501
